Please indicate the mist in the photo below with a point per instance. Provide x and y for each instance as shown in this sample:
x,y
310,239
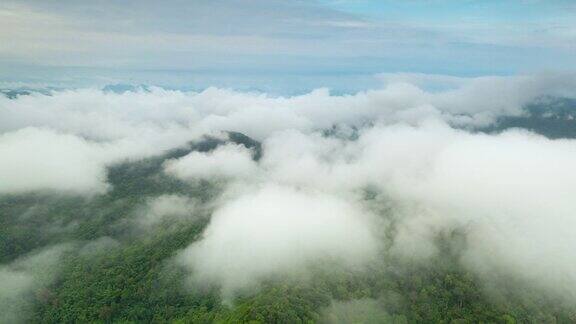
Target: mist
x,y
23,278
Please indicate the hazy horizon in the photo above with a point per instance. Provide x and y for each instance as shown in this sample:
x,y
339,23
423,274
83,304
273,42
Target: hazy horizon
x,y
279,46
274,161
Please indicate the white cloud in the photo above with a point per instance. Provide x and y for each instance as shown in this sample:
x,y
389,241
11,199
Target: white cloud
x,y
278,231
133,40
511,192
83,131
226,161
40,159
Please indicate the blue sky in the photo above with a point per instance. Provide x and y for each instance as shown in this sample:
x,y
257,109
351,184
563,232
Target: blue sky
x,y
277,45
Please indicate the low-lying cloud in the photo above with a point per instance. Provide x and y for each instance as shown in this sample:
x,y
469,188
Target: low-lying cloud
x,y
277,230
42,159
22,282
306,199
166,207
510,193
227,161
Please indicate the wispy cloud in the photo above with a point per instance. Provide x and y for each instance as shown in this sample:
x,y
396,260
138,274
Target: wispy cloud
x,y
281,37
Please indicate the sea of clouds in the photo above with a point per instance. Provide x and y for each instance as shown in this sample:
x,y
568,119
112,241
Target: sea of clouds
x,y
304,200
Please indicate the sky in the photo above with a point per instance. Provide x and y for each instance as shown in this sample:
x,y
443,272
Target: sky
x,y
278,45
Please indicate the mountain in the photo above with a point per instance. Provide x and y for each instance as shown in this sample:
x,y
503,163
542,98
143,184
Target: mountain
x,y
552,117
114,268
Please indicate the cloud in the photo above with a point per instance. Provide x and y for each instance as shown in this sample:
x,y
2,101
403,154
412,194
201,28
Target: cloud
x,y
23,280
278,231
227,161
84,131
510,193
355,311
128,35
40,159
166,207
136,41
15,286
101,245
409,145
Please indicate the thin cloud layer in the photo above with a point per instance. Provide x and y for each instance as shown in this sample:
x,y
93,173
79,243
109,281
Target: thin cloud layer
x,y
24,279
166,207
71,42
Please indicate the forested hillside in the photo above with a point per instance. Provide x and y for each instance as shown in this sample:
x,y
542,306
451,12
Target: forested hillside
x,y
288,161
111,266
